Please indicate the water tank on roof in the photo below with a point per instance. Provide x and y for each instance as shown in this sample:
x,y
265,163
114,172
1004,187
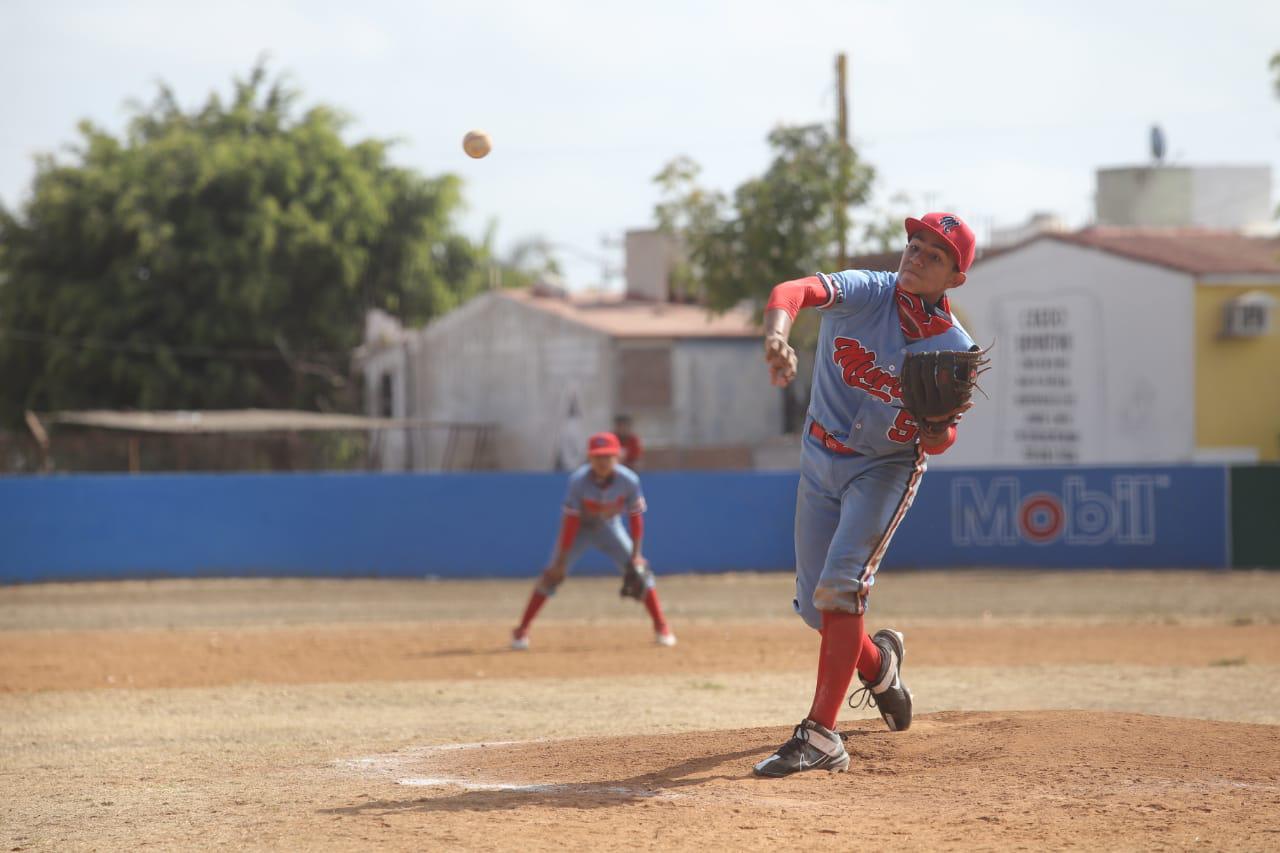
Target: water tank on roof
x,y
1236,198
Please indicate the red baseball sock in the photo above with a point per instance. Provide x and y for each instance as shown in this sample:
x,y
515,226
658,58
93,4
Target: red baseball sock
x,y
654,607
869,659
536,599
842,635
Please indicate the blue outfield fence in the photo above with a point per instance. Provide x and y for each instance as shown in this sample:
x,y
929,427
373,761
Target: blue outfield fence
x,y
402,525
503,525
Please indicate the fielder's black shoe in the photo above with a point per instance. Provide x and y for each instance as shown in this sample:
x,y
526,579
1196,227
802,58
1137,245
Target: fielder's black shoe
x,y
887,693
812,747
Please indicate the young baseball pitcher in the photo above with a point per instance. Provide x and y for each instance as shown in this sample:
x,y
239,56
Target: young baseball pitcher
x,y
863,454
599,494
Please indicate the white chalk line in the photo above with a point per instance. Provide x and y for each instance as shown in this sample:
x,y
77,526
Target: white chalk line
x,y
394,763
547,788
391,761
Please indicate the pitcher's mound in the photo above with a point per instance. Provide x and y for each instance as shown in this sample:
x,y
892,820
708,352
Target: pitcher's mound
x,y
1055,778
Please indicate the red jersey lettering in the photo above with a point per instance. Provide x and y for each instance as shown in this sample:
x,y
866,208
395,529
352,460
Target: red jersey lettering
x,y
903,430
604,509
861,371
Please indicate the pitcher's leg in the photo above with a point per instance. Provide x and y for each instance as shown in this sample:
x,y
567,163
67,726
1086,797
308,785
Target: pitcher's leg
x,y
817,516
871,509
873,506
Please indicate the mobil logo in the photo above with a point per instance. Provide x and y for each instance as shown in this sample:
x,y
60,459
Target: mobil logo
x,y
1119,509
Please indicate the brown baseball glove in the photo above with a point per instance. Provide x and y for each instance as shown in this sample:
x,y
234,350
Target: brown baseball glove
x,y
937,387
635,580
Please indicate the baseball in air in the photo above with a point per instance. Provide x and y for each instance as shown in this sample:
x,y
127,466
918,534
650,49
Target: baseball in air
x,y
477,144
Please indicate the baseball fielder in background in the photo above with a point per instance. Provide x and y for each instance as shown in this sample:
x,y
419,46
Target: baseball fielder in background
x,y
632,449
599,494
862,458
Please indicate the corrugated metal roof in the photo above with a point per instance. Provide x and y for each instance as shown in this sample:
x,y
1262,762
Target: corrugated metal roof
x,y
622,318
1194,250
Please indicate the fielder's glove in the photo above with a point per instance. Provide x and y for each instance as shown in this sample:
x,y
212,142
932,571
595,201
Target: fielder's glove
x,y
937,387
635,580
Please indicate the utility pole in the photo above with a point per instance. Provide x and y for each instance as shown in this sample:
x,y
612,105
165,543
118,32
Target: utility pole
x,y
842,174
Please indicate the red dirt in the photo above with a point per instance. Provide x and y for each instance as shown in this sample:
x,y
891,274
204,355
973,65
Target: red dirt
x,y
1055,779
61,660
341,734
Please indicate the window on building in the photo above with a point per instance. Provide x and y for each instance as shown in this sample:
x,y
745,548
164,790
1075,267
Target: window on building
x,y
644,377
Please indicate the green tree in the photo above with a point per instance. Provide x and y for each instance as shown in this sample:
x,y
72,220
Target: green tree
x,y
881,230
529,261
220,257
778,226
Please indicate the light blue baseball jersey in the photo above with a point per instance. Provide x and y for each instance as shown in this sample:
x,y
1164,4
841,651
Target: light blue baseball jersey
x,y
861,346
848,507
600,503
600,507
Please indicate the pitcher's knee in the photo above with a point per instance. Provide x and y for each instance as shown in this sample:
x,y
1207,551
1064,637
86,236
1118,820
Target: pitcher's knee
x,y
840,596
807,611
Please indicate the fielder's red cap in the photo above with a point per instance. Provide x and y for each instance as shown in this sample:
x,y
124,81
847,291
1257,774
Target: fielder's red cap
x,y
950,228
604,444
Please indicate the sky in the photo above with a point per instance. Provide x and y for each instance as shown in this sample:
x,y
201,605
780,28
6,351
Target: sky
x,y
993,110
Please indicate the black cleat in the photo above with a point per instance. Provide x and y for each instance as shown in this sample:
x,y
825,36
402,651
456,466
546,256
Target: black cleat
x,y
812,747
887,693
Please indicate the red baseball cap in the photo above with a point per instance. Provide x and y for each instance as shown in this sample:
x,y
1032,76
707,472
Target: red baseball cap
x,y
950,228
604,444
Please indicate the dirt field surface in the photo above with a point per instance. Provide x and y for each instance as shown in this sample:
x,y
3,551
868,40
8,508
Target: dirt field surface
x,y
1074,710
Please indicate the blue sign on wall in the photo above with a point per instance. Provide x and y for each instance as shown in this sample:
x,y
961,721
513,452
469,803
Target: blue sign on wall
x,y
1172,517
496,525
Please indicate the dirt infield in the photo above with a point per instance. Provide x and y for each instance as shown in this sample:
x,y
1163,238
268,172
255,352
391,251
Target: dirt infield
x,y
1067,710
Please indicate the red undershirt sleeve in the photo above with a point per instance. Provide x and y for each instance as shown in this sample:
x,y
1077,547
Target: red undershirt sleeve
x,y
941,447
568,530
791,296
637,527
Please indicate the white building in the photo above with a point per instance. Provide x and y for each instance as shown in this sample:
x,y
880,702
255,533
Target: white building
x,y
1120,346
544,371
1002,237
